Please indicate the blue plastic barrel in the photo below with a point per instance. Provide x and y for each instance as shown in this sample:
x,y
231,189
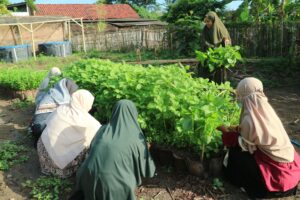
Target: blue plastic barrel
x,y
61,49
15,53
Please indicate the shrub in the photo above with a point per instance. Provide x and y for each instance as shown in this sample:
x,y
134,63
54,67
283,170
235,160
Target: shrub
x,y
20,78
174,108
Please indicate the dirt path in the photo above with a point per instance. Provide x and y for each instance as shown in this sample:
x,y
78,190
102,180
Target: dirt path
x,y
167,184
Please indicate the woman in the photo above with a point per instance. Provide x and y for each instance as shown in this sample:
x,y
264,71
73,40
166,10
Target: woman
x,y
48,101
68,134
118,159
261,157
215,33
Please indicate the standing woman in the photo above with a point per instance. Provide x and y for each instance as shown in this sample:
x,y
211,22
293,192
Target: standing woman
x,y
67,136
118,159
261,157
214,33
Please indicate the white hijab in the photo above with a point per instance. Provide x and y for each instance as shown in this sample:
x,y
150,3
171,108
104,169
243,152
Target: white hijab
x,y
259,124
70,129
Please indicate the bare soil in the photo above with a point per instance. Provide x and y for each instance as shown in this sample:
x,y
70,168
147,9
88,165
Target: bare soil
x,y
166,185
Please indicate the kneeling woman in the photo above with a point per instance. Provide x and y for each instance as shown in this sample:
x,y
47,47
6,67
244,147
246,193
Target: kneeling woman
x,y
261,157
68,134
48,101
118,159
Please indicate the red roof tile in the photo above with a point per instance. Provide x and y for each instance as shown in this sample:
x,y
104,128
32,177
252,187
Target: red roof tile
x,y
88,11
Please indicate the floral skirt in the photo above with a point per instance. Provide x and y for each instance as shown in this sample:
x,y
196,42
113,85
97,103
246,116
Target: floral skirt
x,y
48,167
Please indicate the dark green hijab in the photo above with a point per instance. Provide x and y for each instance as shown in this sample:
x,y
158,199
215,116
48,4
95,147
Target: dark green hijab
x,y
119,158
213,37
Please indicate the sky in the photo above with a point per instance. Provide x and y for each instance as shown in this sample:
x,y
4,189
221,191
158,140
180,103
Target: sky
x,y
232,6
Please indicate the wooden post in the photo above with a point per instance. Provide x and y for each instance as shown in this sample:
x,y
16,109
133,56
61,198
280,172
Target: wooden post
x,y
83,37
32,39
69,30
20,33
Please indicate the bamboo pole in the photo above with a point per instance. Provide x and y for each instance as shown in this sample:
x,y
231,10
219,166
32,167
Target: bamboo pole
x,y
83,37
69,30
20,33
33,43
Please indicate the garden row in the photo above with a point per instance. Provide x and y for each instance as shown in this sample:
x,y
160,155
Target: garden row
x,y
174,108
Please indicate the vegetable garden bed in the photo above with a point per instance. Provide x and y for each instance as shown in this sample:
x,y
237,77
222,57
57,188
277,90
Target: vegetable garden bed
x,y
175,109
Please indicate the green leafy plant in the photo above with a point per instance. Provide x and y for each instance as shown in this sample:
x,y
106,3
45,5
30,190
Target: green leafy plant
x,y
11,153
48,188
174,108
218,184
226,57
20,78
19,104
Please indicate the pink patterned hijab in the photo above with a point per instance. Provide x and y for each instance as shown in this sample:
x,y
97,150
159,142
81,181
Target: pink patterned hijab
x,y
260,127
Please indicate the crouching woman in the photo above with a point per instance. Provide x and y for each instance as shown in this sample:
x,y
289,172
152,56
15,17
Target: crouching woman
x,y
67,136
261,158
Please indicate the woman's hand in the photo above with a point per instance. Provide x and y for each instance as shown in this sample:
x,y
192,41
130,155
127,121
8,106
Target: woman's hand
x,y
227,41
222,128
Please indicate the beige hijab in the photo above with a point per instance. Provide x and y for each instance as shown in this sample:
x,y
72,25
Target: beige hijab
x,y
260,126
70,129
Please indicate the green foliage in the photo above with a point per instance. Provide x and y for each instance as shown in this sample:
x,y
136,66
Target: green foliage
x,y
186,31
218,184
185,22
48,188
43,62
268,10
19,104
20,78
174,108
146,13
131,56
31,4
219,57
11,153
199,8
3,8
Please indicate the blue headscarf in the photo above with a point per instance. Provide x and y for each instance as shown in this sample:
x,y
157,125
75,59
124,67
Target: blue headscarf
x,y
56,96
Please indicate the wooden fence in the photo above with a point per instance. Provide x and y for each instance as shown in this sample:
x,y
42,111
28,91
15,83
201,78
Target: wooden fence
x,y
256,40
266,40
122,39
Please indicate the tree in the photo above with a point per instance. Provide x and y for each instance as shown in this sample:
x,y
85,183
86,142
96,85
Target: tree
x,y
148,13
185,22
198,7
267,10
31,6
3,7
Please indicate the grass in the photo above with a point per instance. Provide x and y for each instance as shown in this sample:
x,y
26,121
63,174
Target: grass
x,y
133,56
43,62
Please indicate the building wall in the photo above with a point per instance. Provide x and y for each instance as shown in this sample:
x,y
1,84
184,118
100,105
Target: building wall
x,y
52,32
